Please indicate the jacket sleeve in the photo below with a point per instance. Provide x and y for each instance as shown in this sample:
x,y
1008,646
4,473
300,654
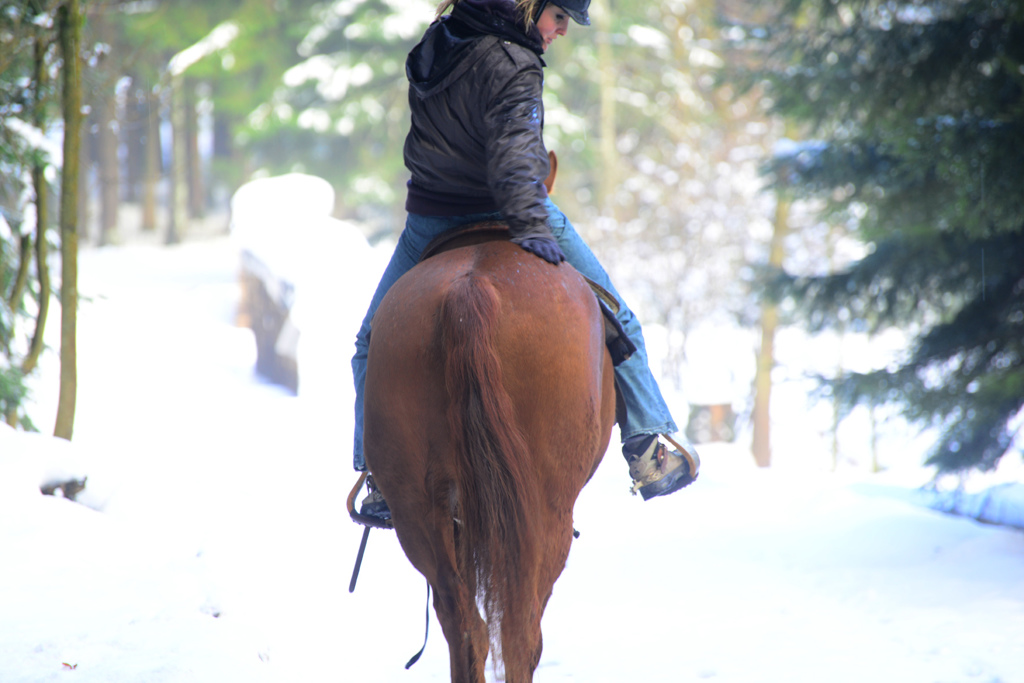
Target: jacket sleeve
x,y
517,162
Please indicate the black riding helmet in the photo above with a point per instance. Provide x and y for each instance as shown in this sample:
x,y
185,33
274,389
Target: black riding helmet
x,y
577,9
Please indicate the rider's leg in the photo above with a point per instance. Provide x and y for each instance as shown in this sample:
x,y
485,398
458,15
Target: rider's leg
x,y
647,410
656,470
418,232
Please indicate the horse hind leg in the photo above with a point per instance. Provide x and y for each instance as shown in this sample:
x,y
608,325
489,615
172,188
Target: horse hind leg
x,y
551,563
429,543
430,546
522,644
464,629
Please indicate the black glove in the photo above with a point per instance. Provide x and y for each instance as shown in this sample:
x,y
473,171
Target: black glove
x,y
545,247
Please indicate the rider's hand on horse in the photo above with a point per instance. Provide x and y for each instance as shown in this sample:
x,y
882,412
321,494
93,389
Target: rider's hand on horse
x,y
545,247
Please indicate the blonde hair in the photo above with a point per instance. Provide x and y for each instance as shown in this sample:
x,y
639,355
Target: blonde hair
x,y
527,9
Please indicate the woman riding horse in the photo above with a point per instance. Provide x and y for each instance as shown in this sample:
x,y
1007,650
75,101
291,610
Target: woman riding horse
x,y
476,153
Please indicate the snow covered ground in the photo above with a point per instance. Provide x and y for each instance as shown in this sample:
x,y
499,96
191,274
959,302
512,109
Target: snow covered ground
x,y
213,543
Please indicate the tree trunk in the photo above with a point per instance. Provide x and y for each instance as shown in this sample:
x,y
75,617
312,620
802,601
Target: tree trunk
x,y
609,181
133,133
876,465
761,445
153,160
21,277
837,413
70,29
196,194
85,161
109,176
232,165
223,146
107,142
31,359
179,189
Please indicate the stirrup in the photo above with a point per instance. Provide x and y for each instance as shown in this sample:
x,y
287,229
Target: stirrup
x,y
668,482
374,504
365,520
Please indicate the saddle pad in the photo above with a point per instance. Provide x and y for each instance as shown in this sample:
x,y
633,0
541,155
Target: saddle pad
x,y
485,230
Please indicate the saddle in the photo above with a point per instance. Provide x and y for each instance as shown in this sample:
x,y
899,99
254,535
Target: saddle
x,y
619,345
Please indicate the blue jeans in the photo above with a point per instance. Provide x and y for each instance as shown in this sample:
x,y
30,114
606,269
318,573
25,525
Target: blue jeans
x,y
646,411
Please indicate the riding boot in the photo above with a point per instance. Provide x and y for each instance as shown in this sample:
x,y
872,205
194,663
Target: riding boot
x,y
374,504
656,470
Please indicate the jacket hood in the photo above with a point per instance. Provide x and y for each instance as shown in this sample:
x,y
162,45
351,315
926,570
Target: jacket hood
x,y
439,57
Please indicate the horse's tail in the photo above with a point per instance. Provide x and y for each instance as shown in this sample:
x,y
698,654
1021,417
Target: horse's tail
x,y
496,482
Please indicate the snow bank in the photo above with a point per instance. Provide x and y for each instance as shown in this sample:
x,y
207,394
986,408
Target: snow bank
x,y
94,594
319,271
1002,504
29,461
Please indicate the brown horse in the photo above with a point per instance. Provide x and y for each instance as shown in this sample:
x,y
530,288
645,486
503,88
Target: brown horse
x,y
489,404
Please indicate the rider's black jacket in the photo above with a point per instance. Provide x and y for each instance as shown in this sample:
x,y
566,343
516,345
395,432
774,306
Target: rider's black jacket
x,y
475,143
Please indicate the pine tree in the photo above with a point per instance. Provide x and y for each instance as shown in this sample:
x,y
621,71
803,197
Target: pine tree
x,y
27,55
917,115
340,110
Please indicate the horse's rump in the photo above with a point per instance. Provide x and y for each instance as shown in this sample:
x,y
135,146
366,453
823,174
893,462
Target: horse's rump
x,y
489,401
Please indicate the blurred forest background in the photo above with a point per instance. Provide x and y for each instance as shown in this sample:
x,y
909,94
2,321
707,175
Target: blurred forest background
x,y
852,165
